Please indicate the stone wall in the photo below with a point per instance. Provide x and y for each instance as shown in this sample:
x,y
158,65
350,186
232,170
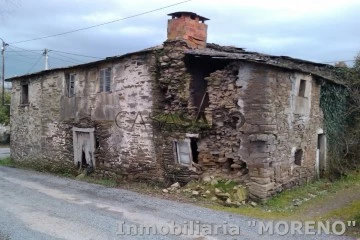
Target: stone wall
x,y
37,135
245,121
42,130
259,122
256,121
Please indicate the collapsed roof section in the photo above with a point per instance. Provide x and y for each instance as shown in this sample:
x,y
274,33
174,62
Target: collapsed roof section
x,y
233,53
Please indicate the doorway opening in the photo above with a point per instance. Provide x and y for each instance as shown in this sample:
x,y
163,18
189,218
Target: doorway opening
x,y
321,155
84,147
194,150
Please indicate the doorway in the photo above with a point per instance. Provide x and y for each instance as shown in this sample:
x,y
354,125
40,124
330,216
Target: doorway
x,y
84,147
321,156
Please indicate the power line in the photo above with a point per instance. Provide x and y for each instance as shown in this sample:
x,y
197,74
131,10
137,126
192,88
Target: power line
x,y
20,60
70,61
101,24
58,51
23,49
74,59
18,53
35,64
75,54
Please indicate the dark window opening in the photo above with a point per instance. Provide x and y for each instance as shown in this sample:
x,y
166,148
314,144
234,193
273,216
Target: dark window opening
x,y
201,68
70,84
105,80
227,165
258,146
25,94
194,150
302,88
243,164
234,121
298,157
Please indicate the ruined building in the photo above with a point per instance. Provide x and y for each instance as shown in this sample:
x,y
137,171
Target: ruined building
x,y
177,112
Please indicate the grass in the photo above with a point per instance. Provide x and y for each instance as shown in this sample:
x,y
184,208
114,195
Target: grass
x,y
282,206
65,172
348,213
7,162
101,181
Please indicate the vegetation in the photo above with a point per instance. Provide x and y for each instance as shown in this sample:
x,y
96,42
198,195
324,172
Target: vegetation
x,y
7,162
175,121
350,212
5,110
312,196
341,107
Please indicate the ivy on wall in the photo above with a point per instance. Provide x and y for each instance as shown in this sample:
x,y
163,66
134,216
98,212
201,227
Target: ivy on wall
x,y
333,102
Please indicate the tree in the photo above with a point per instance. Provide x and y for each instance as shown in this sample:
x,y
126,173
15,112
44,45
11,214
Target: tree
x,y
345,133
5,110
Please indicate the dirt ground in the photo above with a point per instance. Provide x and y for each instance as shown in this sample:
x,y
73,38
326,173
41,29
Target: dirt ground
x,y
334,201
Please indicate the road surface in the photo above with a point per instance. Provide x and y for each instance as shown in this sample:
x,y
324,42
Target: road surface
x,y
4,152
41,206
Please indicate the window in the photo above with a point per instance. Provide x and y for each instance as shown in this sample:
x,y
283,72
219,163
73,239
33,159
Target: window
x,y
105,79
25,94
70,84
302,88
187,151
183,152
298,157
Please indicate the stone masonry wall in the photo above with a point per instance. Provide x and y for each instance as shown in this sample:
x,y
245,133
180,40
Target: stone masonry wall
x,y
37,135
171,100
255,120
42,131
278,123
257,123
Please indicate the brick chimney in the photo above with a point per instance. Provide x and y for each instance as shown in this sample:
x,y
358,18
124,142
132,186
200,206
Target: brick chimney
x,y
189,27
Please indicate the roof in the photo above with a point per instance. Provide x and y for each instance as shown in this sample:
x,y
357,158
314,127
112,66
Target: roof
x,y
224,52
108,59
192,14
227,52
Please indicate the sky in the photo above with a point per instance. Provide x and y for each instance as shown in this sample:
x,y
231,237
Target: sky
x,y
316,30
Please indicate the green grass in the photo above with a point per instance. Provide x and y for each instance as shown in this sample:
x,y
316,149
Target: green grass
x,y
64,172
101,181
281,205
226,186
348,213
7,162
319,188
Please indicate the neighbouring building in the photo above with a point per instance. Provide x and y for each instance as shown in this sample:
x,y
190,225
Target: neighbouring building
x,y
177,112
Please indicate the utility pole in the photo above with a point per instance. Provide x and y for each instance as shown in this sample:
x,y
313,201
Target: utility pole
x,y
45,53
3,70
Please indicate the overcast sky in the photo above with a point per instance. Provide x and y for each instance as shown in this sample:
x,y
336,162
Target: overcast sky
x,y
316,30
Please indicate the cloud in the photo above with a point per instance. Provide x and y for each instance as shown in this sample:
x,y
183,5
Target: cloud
x,y
313,30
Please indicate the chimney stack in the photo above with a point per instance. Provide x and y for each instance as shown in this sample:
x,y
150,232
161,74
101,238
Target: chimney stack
x,y
189,27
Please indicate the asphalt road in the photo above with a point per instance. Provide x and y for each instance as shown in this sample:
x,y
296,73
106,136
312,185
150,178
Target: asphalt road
x,y
41,206
4,152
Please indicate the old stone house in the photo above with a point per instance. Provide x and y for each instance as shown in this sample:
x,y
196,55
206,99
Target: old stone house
x,y
177,112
